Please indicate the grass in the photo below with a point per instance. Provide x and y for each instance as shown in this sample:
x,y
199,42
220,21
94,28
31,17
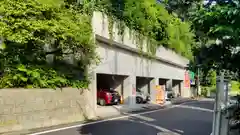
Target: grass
x,y
235,89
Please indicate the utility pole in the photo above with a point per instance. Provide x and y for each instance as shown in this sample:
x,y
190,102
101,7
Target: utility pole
x,y
198,80
198,75
220,122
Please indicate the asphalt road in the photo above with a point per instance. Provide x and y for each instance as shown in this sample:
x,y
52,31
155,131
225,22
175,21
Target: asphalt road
x,y
188,119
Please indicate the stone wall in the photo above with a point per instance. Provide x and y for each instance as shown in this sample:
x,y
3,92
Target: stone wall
x,y
22,109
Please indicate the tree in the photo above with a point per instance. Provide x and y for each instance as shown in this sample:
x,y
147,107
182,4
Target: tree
x,y
182,8
218,26
218,31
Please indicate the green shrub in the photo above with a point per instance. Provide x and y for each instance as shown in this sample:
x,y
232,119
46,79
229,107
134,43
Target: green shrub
x,y
235,86
204,91
31,31
207,89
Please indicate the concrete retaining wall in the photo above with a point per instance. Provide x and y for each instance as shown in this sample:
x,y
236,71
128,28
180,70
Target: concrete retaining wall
x,y
122,62
100,23
33,108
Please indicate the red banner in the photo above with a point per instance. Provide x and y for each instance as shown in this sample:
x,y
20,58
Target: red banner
x,y
187,80
133,90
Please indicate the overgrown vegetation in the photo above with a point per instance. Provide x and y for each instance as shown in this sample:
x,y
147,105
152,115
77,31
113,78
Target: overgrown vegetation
x,y
49,43
152,20
44,44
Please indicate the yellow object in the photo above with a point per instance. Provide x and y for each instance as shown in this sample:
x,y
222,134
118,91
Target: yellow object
x,y
160,95
121,100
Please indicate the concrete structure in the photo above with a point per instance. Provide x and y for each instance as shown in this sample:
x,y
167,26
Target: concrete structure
x,y
120,56
22,109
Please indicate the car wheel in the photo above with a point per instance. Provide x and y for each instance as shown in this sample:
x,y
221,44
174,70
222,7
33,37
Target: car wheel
x,y
139,100
117,103
102,102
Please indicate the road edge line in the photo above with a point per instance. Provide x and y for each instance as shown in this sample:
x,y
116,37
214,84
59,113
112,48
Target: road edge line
x,y
126,115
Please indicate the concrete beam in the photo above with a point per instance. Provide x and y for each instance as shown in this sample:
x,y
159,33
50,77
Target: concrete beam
x,y
134,50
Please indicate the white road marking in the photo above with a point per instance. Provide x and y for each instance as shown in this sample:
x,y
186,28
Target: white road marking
x,y
164,130
110,119
144,118
196,108
180,131
95,122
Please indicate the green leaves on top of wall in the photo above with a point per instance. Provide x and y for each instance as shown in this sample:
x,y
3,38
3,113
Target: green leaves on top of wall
x,y
48,43
39,38
152,20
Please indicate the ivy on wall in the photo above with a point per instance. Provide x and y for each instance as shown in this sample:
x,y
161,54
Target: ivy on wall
x,y
153,21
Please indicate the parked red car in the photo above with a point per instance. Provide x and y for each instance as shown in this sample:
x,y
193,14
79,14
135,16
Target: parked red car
x,y
108,96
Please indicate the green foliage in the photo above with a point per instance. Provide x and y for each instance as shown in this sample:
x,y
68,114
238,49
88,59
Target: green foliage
x,y
38,36
235,86
152,20
212,76
205,90
219,22
180,37
38,77
183,8
49,43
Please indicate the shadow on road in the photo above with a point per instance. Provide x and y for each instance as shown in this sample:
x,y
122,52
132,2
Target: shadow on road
x,y
176,121
128,126
148,125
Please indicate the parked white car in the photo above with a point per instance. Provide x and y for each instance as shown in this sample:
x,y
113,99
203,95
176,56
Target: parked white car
x,y
141,97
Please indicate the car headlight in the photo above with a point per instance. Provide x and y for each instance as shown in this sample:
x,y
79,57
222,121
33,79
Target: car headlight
x,y
108,94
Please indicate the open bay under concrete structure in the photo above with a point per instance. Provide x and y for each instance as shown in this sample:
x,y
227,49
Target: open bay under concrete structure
x,y
120,56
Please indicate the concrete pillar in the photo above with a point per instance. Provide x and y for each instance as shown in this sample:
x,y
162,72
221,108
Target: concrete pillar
x,y
186,91
182,89
93,89
153,83
129,90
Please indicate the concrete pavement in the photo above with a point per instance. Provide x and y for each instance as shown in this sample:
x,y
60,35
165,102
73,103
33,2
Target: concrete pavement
x,y
193,118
